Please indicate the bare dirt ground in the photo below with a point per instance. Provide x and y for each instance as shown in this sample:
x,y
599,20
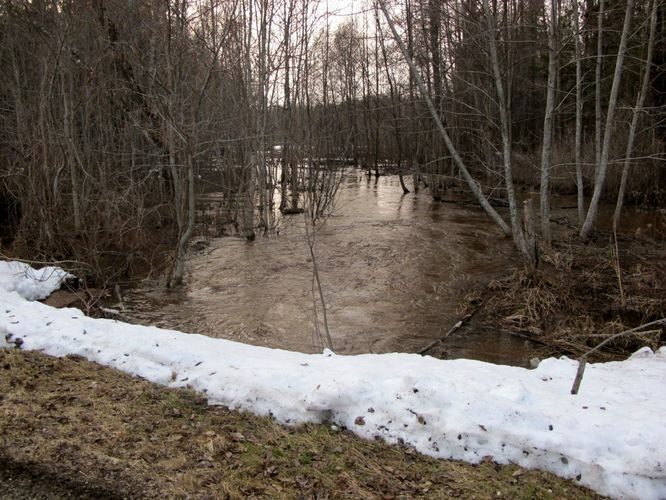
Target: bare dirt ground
x,y
74,429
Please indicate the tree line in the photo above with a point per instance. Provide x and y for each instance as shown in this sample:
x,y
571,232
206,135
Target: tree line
x,y
114,114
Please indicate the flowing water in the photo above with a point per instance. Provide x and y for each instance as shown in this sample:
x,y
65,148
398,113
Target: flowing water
x,y
393,268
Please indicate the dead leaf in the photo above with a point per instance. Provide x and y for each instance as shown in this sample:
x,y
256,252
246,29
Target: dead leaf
x,y
237,436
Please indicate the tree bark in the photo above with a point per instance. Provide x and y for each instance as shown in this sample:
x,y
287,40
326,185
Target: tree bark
x,y
608,131
547,146
636,115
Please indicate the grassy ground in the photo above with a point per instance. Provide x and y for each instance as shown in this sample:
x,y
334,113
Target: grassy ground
x,y
74,429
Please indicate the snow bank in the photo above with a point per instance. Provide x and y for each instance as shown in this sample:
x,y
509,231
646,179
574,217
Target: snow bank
x,y
610,437
29,283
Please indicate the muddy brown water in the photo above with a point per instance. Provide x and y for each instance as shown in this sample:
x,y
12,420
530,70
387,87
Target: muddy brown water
x,y
394,268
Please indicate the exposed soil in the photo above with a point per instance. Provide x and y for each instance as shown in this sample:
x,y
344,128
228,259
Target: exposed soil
x,y
74,429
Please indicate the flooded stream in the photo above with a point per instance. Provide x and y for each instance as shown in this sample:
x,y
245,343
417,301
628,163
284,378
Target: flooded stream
x,y
393,267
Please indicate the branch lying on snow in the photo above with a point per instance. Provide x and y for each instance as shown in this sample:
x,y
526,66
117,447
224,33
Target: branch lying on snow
x,y
582,361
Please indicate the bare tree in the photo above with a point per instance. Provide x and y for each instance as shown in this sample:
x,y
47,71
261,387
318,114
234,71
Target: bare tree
x,y
597,88
640,100
547,145
516,226
474,187
579,114
600,179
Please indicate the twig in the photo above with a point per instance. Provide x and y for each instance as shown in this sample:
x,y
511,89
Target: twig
x,y
579,375
582,361
615,262
453,329
46,262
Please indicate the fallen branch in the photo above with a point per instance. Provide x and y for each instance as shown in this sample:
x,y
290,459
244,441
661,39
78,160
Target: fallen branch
x,y
582,361
526,335
114,314
453,329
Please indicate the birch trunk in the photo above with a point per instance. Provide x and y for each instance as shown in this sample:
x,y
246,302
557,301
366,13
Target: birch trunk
x,y
547,146
474,187
636,114
612,103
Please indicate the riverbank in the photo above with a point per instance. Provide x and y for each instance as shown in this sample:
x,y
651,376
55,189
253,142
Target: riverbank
x,y
75,429
581,294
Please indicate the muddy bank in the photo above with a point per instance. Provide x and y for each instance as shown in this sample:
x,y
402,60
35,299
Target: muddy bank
x,y
73,429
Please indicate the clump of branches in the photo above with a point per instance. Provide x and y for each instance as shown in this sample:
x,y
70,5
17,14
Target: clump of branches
x,y
318,202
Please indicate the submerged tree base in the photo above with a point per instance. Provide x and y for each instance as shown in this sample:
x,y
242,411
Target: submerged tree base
x,y
292,211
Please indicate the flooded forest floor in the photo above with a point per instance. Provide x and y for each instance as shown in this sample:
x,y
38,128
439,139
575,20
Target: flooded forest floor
x,y
400,271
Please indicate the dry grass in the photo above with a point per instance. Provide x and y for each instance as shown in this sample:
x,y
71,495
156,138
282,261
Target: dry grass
x,y
583,294
73,429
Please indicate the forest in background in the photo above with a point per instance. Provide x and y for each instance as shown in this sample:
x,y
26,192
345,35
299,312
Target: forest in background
x,y
113,114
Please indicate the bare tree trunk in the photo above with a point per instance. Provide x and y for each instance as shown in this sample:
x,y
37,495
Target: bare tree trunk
x,y
377,101
261,165
434,20
636,115
579,116
597,90
412,104
181,250
69,158
287,111
608,131
474,187
530,231
176,275
516,227
310,234
547,149
395,100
